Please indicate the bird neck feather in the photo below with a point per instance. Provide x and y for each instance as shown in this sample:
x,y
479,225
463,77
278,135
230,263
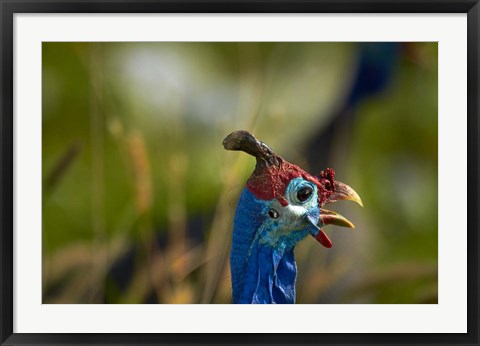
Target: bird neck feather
x,y
260,273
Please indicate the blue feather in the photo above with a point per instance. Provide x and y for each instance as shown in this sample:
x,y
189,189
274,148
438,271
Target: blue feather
x,y
262,257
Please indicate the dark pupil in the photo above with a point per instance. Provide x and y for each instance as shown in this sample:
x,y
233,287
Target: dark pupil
x,y
304,193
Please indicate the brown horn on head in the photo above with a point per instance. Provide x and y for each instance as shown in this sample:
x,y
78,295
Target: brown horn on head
x,y
245,141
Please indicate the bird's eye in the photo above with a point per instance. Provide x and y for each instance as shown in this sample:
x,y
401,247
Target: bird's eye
x,y
273,214
304,193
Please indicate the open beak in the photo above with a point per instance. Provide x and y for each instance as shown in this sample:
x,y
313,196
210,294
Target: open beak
x,y
342,192
328,217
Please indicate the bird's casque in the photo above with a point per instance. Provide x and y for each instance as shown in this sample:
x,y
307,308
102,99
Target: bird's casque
x,y
280,205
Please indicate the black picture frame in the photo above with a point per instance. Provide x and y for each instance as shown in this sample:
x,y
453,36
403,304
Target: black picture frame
x,y
9,7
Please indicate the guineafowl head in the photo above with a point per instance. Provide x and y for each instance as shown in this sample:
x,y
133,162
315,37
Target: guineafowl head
x,y
280,205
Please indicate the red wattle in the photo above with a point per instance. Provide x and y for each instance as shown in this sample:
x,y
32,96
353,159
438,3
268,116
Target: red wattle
x,y
323,239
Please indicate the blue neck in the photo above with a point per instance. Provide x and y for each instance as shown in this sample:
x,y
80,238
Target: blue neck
x,y
270,277
260,273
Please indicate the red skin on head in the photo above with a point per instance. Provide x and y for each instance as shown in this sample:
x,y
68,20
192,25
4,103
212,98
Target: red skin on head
x,y
270,182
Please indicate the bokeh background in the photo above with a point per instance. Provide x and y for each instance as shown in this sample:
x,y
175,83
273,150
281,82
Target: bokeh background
x,y
139,194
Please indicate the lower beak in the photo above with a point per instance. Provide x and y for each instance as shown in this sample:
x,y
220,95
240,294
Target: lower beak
x,y
329,217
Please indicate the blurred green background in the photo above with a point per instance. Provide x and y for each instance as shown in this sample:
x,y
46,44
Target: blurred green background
x,y
139,194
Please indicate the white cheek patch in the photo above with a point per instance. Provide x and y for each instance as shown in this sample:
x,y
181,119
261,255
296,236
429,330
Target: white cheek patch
x,y
291,218
291,215
294,216
295,211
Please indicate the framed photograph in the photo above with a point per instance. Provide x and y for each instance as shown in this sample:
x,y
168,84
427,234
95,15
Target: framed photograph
x,y
239,172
